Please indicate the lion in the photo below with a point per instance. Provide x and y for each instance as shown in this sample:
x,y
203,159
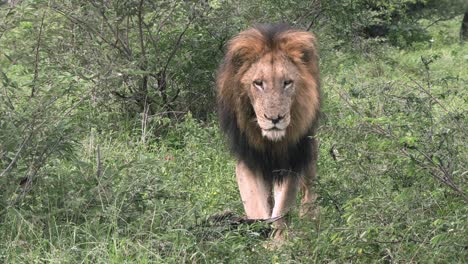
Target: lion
x,y
268,94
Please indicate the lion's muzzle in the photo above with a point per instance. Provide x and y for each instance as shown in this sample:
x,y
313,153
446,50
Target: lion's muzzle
x,y
274,128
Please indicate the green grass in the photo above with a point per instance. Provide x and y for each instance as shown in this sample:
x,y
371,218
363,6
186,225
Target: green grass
x,y
150,200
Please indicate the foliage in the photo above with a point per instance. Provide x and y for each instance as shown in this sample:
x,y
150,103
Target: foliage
x,y
396,21
110,152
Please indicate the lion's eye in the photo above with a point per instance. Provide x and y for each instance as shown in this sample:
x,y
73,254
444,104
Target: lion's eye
x,y
258,84
287,83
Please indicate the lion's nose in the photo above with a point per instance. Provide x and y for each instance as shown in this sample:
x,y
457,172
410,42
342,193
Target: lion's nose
x,y
274,120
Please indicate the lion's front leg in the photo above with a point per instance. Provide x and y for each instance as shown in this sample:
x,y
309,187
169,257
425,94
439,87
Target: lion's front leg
x,y
285,193
309,208
255,192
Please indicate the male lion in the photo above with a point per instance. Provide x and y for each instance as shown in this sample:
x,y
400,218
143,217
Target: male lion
x,y
269,100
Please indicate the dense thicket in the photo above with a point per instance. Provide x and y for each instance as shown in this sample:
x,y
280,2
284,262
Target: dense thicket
x,y
109,148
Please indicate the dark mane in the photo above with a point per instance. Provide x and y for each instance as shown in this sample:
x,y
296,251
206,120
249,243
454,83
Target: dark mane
x,y
271,31
273,164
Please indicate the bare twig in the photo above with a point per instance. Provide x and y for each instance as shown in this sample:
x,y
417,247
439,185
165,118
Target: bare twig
x,y
36,60
445,178
144,121
143,67
441,19
169,112
163,22
17,155
92,30
35,167
98,162
424,90
115,32
178,42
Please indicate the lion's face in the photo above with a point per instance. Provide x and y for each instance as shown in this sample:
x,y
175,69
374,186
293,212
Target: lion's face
x,y
268,88
271,83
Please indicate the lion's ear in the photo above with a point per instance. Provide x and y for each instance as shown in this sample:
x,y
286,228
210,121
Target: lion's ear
x,y
300,46
245,48
238,56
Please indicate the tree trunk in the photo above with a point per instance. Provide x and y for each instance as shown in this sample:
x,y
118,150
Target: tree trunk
x,y
464,28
